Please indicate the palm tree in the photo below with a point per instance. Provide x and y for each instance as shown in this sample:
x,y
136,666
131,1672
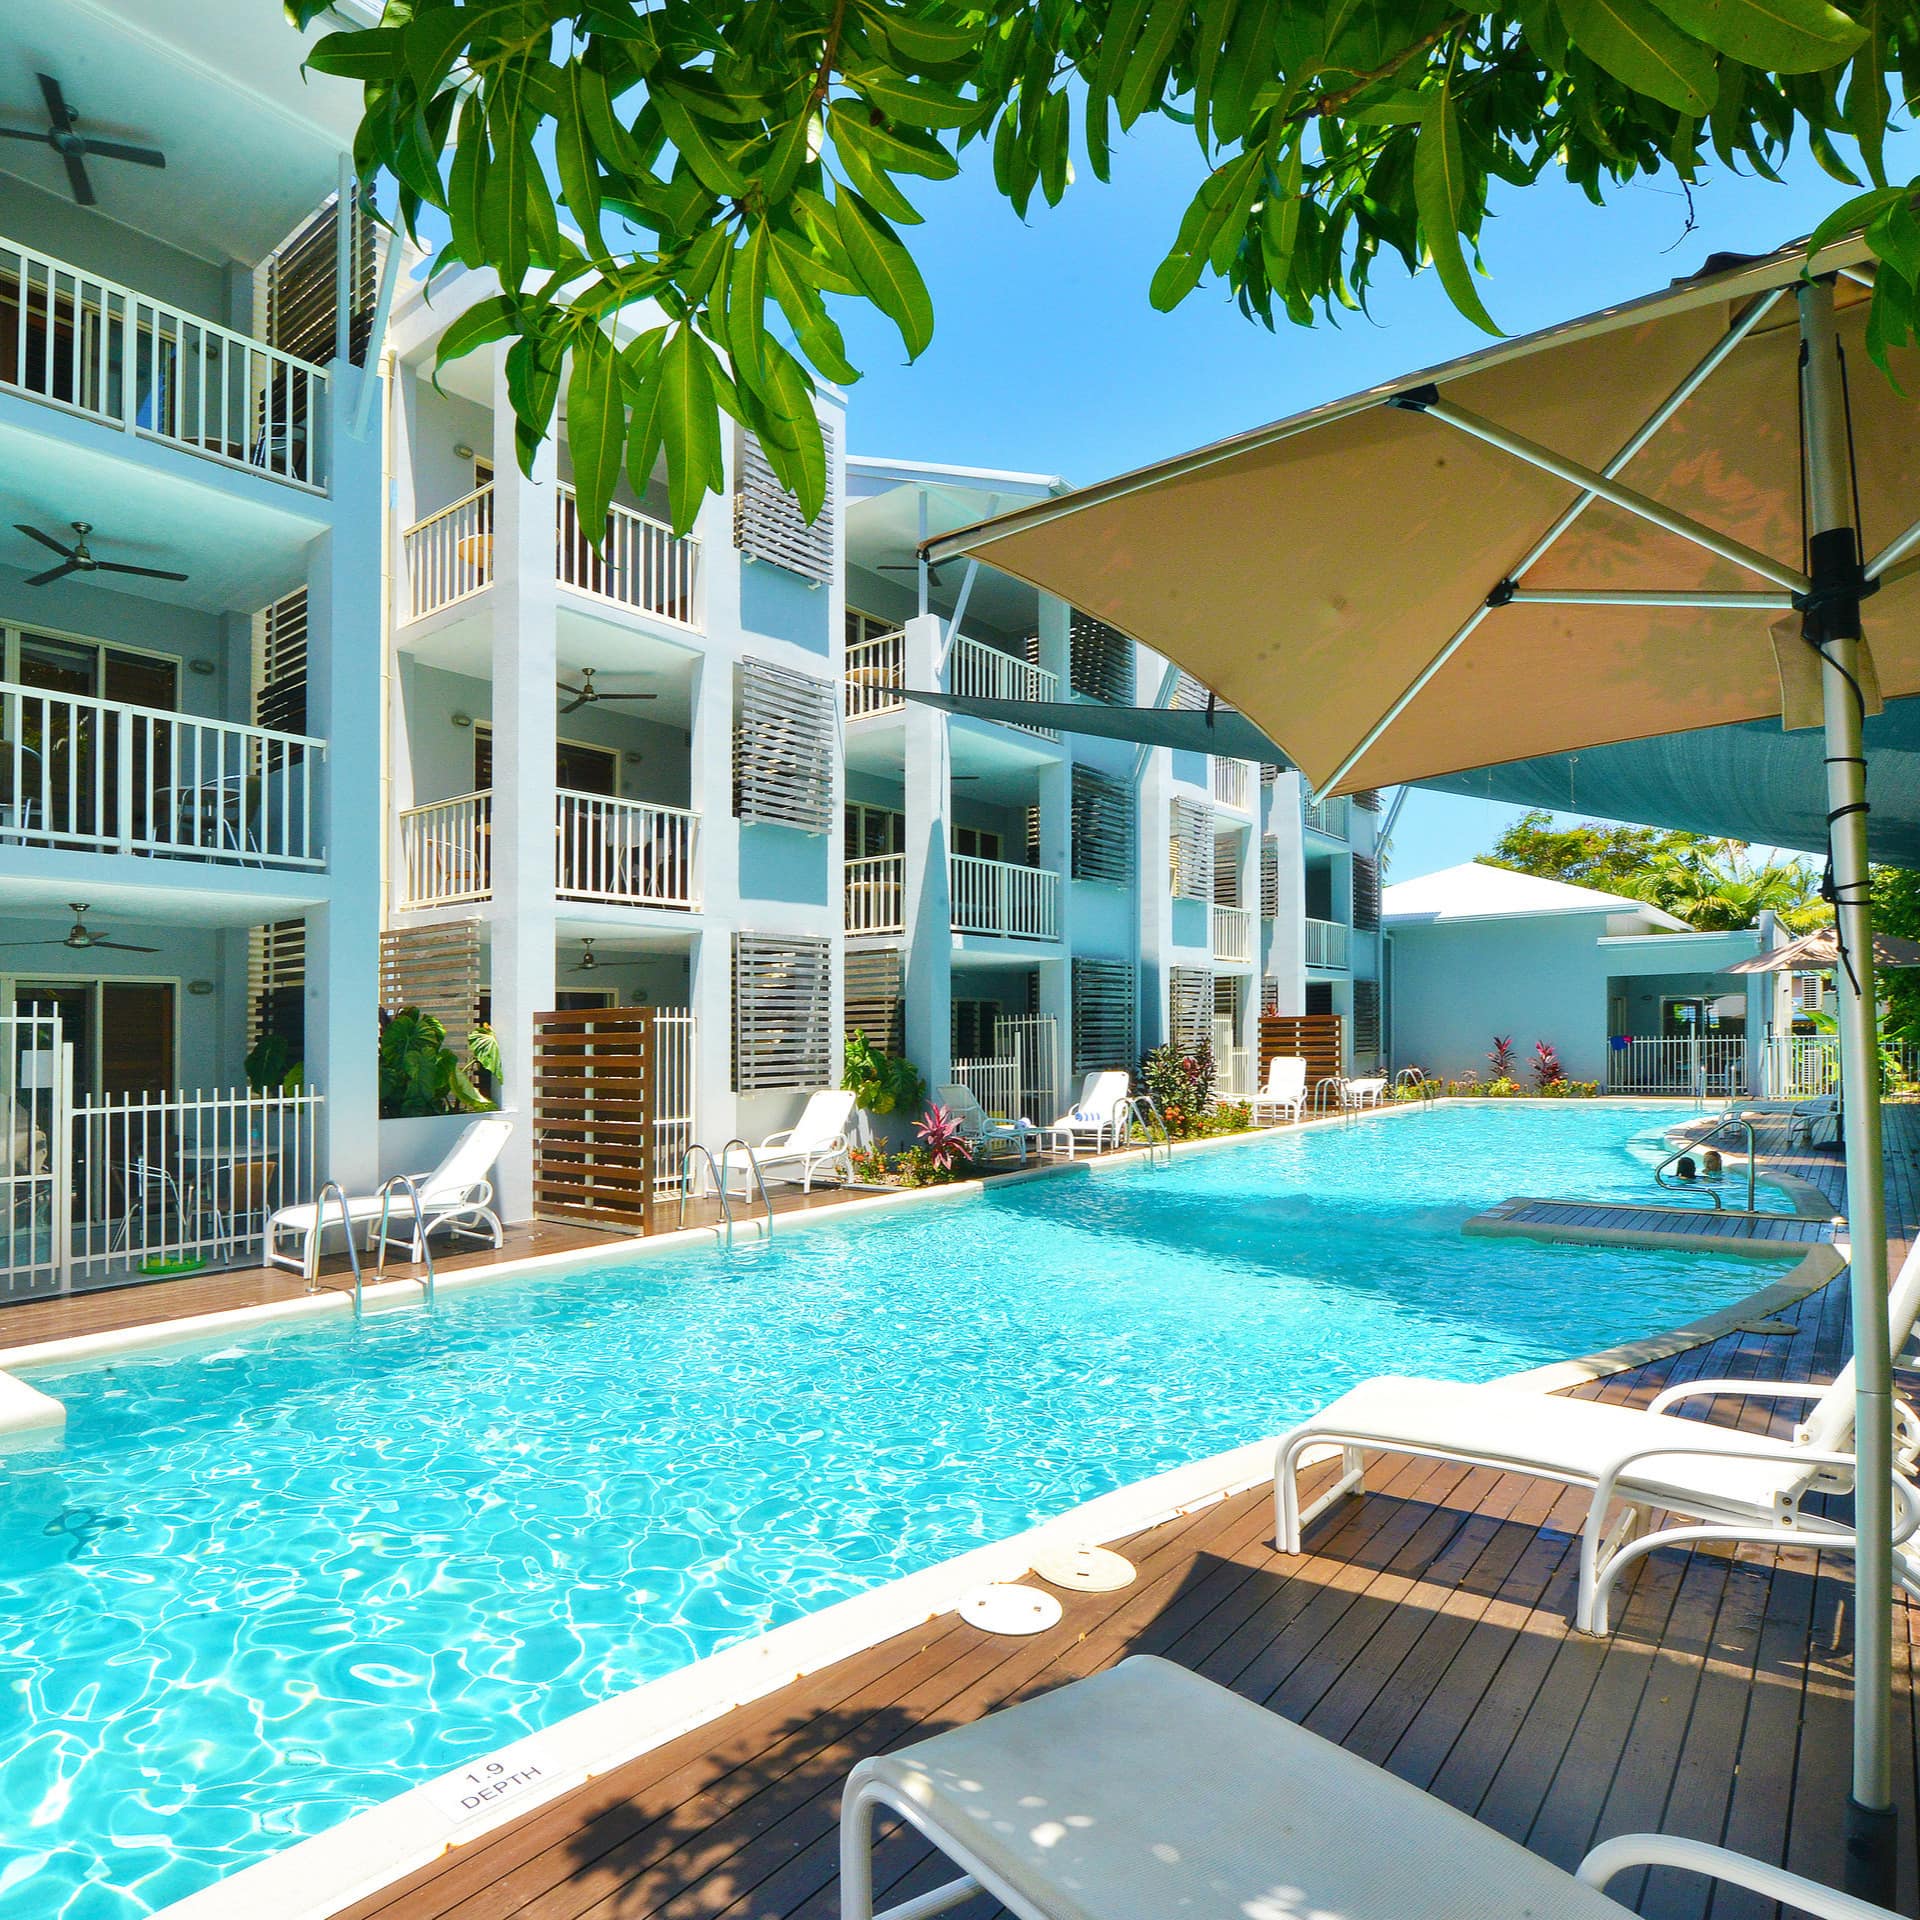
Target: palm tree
x,y
1720,890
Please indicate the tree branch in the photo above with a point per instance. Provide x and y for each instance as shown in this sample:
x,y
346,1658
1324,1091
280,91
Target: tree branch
x,y
1323,105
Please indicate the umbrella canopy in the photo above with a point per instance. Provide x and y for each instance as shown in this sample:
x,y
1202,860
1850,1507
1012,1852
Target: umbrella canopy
x,y
1380,556
1818,951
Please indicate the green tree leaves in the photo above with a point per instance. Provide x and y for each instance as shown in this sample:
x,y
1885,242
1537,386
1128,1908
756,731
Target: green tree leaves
x,y
675,198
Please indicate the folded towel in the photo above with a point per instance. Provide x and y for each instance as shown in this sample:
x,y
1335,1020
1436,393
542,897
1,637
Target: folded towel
x,y
1086,1117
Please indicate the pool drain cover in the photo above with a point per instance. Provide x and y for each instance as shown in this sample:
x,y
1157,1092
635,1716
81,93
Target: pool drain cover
x,y
1084,1569
1003,1609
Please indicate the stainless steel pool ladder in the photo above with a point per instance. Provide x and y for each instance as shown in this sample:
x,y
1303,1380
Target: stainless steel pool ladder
x,y
406,1185
1699,1145
724,1231
1141,1109
319,1230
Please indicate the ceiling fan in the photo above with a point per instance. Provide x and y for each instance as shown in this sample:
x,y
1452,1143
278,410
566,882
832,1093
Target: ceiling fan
x,y
588,964
587,693
78,148
81,937
78,558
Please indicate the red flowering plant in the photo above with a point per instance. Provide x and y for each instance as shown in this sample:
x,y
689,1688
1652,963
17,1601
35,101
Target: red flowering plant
x,y
940,1136
1547,1070
1179,1080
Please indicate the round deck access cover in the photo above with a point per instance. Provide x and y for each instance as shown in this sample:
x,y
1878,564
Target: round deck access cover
x,y
1084,1569
1007,1609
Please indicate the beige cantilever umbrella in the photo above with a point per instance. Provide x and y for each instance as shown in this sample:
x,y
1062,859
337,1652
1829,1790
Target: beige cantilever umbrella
x,y
1661,517
1819,952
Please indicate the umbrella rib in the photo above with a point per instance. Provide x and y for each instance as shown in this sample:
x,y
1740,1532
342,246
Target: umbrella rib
x,y
1656,597
1703,370
1893,551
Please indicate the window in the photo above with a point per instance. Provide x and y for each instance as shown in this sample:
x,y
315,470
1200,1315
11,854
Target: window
x,y
1319,996
277,986
784,726
976,843
56,664
1099,660
1190,850
1103,1009
873,831
862,627
577,768
973,1025
280,665
1102,828
781,1008
1226,871
122,1031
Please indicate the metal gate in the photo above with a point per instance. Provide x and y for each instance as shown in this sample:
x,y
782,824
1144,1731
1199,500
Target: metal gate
x,y
36,1106
1032,1042
593,1116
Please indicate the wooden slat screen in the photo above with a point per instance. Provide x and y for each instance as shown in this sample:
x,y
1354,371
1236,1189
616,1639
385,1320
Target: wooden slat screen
x,y
875,1003
435,967
782,999
1099,660
593,1100
280,664
783,738
1366,893
1189,1006
1104,1031
296,289
1269,997
1368,800
1313,1037
1269,878
1366,1023
767,521
1190,850
1103,813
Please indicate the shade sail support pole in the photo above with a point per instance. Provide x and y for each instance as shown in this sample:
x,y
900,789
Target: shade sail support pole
x,y
1701,372
1832,623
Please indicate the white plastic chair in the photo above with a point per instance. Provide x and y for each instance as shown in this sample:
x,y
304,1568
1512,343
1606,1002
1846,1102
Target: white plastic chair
x,y
1369,1091
982,1133
818,1143
1285,1094
1096,1118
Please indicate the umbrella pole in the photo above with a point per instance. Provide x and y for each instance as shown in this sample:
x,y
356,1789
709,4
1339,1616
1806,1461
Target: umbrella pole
x,y
1833,622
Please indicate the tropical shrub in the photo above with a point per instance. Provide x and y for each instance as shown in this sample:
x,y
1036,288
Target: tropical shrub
x,y
879,1082
1565,1089
421,1075
941,1140
271,1068
1178,1078
869,1165
1547,1070
1501,1059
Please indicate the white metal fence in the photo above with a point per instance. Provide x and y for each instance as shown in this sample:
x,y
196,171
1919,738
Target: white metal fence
x,y
875,672
80,772
642,563
876,894
449,554
1326,943
446,851
1233,935
1032,1042
628,851
36,1099
994,1083
675,1077
982,672
995,896
1705,1064
1329,816
74,340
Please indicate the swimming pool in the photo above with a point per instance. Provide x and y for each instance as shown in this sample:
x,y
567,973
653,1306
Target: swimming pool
x,y
268,1583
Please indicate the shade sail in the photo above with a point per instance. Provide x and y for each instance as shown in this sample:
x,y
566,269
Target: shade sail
x,y
1310,572
1817,951
1229,734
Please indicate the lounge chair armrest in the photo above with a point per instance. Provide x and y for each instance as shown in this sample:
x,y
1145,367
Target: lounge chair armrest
x,y
1747,1389
779,1139
1906,1494
1628,1850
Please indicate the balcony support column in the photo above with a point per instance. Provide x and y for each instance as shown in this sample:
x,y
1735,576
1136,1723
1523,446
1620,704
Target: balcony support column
x,y
926,802
525,673
710,976
1286,952
343,708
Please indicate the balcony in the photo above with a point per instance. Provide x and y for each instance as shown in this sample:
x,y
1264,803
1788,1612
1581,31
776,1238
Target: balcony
x,y
987,896
90,347
1233,935
1330,817
1233,784
641,565
99,776
1327,943
876,670
620,852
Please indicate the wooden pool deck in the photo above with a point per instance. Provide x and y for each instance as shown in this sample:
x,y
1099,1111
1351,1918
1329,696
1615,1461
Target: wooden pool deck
x,y
1425,1627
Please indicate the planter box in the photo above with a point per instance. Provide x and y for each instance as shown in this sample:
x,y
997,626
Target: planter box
x,y
418,1146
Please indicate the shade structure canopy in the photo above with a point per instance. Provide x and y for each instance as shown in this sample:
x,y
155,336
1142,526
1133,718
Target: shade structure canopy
x,y
1217,730
1319,572
1818,952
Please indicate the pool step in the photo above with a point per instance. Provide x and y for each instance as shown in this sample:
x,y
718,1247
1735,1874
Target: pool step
x,y
1766,1236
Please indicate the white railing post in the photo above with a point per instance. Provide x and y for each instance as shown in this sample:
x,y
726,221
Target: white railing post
x,y
642,563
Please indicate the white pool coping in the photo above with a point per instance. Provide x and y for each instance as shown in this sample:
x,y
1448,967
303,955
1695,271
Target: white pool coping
x,y
317,1877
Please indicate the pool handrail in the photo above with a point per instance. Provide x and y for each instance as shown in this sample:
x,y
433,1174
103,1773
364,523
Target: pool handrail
x,y
319,1233
1720,1126
719,1187
406,1182
759,1178
1144,1109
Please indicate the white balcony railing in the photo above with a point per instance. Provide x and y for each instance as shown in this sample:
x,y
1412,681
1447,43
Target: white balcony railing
x,y
981,672
876,894
1233,783
1233,934
1326,943
625,852
642,563
995,896
629,852
88,345
875,672
1329,816
76,772
449,554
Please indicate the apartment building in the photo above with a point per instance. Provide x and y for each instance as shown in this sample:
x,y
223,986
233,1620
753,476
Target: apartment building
x,y
190,619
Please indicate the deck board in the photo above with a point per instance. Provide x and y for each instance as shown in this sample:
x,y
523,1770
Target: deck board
x,y
1425,1627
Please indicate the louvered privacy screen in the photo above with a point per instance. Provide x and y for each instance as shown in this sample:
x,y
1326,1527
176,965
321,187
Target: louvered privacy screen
x,y
1103,1029
1102,828
1269,997
783,726
781,1010
280,665
1366,1021
1270,878
1190,850
874,1003
1368,799
295,289
1189,1006
1099,660
277,985
1366,893
1189,696
435,968
767,521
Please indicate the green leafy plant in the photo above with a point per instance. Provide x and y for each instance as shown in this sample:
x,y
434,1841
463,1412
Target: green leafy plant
x,y
869,1165
421,1075
270,1066
1179,1080
879,1082
1570,1089
916,1167
739,164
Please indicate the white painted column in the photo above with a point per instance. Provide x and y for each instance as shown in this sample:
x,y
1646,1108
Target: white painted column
x,y
1286,951
524,677
929,914
1156,897
710,969
343,707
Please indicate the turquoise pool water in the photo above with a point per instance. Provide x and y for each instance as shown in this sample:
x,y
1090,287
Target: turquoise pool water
x,y
266,1584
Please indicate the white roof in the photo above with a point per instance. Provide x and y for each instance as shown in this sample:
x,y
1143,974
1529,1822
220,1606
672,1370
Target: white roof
x,y
1477,892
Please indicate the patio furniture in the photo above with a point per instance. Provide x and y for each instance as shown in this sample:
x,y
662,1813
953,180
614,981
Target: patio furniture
x,y
1097,1118
1145,1792
1728,1485
817,1143
20,788
982,1133
1369,1091
457,1195
1815,1123
1285,1094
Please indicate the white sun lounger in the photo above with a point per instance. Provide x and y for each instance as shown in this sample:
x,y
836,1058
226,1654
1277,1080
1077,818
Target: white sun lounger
x,y
1729,1485
1096,1117
1367,1092
1147,1793
982,1133
1285,1094
816,1144
457,1194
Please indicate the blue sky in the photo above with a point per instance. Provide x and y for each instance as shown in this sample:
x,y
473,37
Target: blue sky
x,y
1047,358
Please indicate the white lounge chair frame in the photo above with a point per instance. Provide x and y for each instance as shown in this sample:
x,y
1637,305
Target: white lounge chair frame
x,y
1285,1093
1146,1790
816,1143
1103,1093
1368,1091
457,1195
981,1132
